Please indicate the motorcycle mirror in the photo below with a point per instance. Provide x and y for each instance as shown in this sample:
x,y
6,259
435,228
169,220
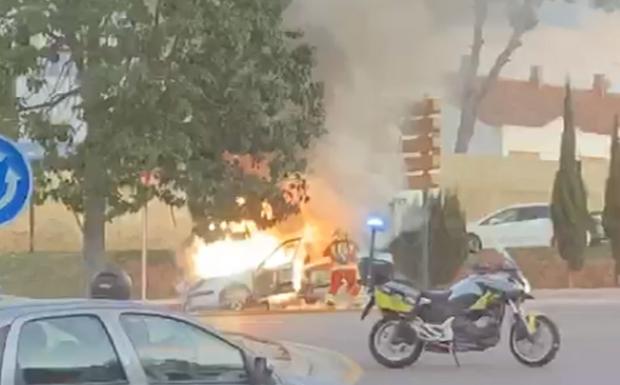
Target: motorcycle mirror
x,y
262,369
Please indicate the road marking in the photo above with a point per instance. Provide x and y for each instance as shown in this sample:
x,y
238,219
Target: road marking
x,y
260,322
576,301
353,372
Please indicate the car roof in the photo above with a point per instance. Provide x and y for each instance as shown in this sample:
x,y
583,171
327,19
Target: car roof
x,y
523,205
12,307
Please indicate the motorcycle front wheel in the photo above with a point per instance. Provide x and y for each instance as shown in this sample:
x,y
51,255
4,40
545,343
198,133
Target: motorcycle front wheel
x,y
539,349
388,354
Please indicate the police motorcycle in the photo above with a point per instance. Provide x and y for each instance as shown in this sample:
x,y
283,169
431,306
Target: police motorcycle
x,y
464,318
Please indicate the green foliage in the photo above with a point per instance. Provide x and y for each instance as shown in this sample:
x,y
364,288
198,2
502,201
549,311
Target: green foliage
x,y
59,274
448,242
611,213
172,86
449,247
569,210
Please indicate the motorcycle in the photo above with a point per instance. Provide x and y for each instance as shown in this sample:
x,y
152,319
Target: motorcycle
x,y
467,317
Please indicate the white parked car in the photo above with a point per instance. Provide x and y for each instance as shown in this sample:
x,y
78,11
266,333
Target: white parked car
x,y
521,225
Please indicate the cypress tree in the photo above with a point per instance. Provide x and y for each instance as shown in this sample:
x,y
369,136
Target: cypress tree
x,y
569,210
449,245
611,213
448,242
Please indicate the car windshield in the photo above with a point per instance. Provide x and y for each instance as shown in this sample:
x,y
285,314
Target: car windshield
x,y
173,350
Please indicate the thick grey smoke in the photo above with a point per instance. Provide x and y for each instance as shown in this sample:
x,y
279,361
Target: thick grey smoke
x,y
376,58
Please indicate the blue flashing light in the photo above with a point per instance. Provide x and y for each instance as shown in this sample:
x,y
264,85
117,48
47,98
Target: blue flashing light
x,y
375,223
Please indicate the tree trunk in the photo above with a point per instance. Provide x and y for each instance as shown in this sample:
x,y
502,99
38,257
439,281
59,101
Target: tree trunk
x,y
93,241
466,128
469,105
93,236
474,91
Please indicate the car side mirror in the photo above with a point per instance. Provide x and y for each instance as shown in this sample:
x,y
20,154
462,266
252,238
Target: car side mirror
x,y
262,371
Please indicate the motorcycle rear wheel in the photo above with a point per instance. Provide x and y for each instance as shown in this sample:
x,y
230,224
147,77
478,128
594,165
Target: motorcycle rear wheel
x,y
390,362
549,355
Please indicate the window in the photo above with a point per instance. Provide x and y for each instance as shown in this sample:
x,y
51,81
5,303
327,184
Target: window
x,y
534,212
283,255
171,351
67,350
506,216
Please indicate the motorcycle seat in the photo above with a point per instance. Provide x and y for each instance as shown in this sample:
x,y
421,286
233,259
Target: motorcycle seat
x,y
437,295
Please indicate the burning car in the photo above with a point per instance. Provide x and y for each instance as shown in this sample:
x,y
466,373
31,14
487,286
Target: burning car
x,y
256,270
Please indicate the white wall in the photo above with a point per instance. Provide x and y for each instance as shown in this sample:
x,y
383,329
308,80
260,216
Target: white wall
x,y
546,141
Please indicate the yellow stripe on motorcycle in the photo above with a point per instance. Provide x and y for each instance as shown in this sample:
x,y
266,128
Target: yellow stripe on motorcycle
x,y
393,302
485,300
532,325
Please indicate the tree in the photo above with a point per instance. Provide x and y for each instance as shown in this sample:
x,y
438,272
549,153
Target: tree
x,y
611,213
259,104
448,242
522,18
166,85
569,210
449,246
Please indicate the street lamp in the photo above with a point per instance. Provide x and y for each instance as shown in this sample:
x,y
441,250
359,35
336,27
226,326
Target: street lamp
x,y
376,224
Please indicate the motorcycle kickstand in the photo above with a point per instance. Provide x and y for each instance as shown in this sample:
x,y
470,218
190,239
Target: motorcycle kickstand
x,y
454,356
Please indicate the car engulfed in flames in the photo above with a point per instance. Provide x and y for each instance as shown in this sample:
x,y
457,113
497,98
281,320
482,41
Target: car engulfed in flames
x,y
231,255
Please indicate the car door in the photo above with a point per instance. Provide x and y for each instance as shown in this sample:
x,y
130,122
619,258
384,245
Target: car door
x,y
278,272
498,229
173,351
64,349
534,228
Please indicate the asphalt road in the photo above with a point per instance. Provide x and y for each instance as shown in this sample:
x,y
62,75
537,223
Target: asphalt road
x,y
590,350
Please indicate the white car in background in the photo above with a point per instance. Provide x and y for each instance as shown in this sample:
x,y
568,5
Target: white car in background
x,y
521,225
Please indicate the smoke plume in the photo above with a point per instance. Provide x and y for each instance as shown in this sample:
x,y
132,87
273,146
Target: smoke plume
x,y
375,58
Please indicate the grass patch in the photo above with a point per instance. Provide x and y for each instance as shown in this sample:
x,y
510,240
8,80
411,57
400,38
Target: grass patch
x,y
59,275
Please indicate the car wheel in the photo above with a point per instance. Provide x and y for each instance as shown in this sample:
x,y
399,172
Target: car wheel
x,y
474,243
235,298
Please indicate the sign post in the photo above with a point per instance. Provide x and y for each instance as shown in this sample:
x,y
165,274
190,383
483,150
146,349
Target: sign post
x,y
421,146
16,181
148,179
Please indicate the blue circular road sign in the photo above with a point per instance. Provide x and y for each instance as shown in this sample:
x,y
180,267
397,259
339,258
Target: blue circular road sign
x,y
16,181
